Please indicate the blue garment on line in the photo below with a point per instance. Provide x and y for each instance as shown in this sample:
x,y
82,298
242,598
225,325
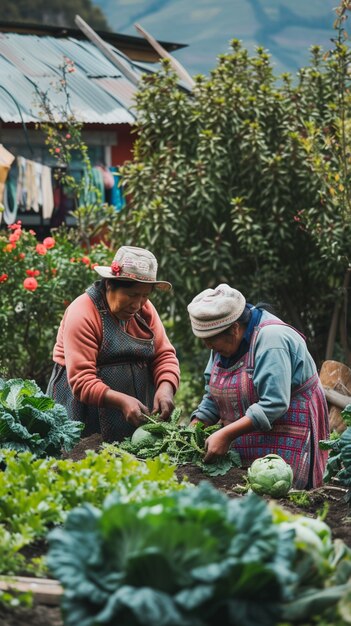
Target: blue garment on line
x,y
117,198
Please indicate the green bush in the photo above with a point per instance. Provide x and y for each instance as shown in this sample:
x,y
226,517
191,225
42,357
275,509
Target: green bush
x,y
37,282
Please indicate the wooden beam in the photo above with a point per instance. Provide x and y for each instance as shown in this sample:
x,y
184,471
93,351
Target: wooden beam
x,y
178,67
123,64
44,590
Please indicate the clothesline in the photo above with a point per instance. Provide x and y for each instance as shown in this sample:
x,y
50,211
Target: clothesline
x,y
29,187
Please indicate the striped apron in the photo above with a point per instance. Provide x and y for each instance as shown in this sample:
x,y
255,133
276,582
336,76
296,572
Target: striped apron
x,y
123,363
294,436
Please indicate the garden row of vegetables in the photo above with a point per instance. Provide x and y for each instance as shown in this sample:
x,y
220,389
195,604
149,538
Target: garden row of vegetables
x,y
131,544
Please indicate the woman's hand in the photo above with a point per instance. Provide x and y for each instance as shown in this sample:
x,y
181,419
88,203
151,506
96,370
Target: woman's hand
x,y
163,400
217,445
131,408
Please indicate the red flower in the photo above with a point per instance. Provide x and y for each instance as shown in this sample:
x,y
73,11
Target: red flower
x,y
57,150
93,265
32,272
116,268
49,242
30,283
14,236
3,278
40,249
21,255
72,260
85,260
53,271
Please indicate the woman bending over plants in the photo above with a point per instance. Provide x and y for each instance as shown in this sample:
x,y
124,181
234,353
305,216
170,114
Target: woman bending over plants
x,y
262,386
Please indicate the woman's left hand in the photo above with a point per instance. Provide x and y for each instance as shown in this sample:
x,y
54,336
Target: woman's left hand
x,y
216,445
163,400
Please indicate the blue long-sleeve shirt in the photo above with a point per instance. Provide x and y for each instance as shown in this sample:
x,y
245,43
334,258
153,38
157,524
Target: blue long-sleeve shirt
x,y
281,363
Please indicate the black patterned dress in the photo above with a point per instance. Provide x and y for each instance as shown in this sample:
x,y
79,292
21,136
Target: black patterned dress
x,y
123,363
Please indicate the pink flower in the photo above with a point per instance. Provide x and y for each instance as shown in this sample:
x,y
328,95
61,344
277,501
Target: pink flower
x,y
3,278
32,232
14,236
68,136
116,268
21,255
41,249
30,284
15,226
57,150
49,242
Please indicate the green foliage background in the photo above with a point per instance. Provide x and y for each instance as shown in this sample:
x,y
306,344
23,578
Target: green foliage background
x,y
243,181
55,12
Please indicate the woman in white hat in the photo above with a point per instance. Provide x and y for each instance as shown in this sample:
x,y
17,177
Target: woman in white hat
x,y
113,359
262,386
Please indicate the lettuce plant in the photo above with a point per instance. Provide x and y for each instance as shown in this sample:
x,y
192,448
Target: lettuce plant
x,y
193,557
31,420
270,475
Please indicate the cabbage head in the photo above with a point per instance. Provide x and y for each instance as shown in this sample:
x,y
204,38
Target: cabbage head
x,y
270,475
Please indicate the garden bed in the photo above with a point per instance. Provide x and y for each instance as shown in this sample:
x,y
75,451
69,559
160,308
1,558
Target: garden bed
x,y
329,498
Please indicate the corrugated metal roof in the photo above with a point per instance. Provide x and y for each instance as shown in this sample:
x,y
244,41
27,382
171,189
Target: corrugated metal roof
x,y
99,93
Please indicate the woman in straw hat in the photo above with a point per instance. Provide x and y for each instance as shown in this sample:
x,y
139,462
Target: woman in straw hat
x,y
113,359
262,386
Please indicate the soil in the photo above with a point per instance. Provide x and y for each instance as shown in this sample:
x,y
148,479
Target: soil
x,y
331,496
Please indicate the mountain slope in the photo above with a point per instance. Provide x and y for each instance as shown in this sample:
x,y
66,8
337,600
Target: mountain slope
x,y
286,29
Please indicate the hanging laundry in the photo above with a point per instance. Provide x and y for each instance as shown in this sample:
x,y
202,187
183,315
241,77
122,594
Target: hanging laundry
x,y
116,196
47,192
10,199
94,190
21,194
6,160
31,186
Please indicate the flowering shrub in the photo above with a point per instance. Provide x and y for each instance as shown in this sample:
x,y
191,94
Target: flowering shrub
x,y
38,280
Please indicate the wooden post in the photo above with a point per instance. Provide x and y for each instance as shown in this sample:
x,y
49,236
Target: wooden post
x,y
178,67
122,63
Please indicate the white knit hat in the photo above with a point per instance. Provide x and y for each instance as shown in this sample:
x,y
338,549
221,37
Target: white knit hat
x,y
214,310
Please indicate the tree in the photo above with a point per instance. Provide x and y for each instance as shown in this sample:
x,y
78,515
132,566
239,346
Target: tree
x,y
54,13
219,181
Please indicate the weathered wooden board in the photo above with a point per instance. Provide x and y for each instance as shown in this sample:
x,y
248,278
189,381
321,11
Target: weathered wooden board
x,y
44,590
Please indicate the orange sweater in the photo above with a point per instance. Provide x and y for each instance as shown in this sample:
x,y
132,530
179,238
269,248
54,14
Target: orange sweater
x,y
79,338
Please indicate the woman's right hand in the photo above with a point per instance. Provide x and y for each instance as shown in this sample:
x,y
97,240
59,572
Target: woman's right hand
x,y
131,408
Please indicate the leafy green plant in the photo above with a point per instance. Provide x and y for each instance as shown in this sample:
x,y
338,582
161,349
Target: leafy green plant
x,y
183,444
270,475
300,498
30,420
339,461
195,558
37,283
37,494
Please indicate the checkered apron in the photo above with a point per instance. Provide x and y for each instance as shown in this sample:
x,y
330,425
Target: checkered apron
x,y
294,436
123,363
